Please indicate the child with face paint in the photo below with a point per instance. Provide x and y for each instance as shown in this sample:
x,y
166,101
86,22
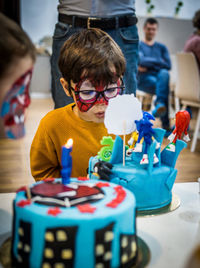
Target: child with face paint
x,y
17,56
92,66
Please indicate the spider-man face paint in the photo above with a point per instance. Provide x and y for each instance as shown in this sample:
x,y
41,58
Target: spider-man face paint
x,y
14,104
87,95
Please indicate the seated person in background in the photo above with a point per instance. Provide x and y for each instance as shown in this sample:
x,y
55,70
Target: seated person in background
x,y
17,56
193,43
153,75
92,65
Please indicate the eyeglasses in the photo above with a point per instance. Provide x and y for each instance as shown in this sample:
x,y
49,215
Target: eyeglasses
x,y
87,95
90,96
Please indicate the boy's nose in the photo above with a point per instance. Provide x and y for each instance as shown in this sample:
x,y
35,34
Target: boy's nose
x,y
100,100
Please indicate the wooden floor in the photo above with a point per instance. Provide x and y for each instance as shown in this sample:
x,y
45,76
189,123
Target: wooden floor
x,y
14,155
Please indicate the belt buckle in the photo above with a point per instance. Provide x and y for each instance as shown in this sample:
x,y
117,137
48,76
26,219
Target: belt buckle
x,y
88,21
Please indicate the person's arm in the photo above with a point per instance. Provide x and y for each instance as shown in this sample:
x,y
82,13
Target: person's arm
x,y
165,62
154,61
146,61
43,158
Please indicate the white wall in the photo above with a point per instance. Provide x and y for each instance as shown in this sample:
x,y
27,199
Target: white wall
x,y
166,8
40,16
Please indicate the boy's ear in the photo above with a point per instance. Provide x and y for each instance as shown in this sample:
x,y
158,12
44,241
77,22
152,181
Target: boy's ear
x,y
65,86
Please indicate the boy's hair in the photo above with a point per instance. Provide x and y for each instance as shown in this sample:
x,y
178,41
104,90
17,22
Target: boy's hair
x,y
14,44
94,53
196,19
150,21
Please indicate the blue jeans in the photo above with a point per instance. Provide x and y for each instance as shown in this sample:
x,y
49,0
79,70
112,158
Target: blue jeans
x,y
126,38
156,83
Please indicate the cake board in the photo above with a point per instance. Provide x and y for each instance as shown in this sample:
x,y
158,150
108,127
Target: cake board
x,y
175,203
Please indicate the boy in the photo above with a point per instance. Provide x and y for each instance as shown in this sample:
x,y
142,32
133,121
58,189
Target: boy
x,y
17,56
92,65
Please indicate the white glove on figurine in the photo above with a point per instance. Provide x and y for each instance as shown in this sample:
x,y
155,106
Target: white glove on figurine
x,y
130,142
186,138
171,137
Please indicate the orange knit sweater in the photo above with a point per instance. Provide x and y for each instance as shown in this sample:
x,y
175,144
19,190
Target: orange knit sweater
x,y
53,132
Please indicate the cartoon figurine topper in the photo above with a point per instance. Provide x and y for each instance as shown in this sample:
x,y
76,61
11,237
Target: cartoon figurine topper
x,y
131,142
106,151
103,170
145,130
133,139
181,126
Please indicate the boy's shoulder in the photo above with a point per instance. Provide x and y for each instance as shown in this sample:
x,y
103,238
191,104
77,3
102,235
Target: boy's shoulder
x,y
58,115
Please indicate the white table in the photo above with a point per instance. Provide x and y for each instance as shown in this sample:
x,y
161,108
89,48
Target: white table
x,y
171,237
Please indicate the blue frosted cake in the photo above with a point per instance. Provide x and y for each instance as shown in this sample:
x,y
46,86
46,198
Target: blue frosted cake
x,y
151,182
74,225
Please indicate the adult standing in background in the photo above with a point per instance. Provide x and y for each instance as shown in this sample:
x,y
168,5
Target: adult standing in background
x,y
153,76
116,17
193,43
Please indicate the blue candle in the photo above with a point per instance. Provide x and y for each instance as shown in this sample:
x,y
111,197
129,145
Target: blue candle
x,y
66,162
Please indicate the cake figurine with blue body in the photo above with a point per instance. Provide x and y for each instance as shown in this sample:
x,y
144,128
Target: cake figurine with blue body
x,y
74,222
147,171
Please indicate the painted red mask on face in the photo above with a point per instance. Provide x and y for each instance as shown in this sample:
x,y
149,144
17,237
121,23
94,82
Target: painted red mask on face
x,y
14,104
87,95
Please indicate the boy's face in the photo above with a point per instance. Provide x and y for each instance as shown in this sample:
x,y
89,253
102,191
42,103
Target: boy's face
x,y
92,100
14,98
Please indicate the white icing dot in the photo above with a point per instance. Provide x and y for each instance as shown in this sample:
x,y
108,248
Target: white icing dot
x,y
19,245
19,258
133,246
124,258
61,235
124,242
21,231
99,249
108,236
67,254
27,248
46,265
49,236
48,253
107,256
99,265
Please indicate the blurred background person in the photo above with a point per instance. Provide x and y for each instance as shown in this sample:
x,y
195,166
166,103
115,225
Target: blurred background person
x,y
193,43
17,56
115,17
153,70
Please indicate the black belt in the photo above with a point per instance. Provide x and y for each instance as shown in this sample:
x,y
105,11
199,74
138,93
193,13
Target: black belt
x,y
102,23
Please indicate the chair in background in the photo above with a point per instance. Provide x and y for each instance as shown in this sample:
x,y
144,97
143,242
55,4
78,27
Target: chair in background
x,y
172,85
187,90
146,99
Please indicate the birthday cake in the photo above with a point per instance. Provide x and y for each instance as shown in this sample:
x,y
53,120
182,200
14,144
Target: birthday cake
x,y
143,168
150,179
80,224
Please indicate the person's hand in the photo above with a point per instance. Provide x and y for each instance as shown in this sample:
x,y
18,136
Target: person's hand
x,y
103,169
142,69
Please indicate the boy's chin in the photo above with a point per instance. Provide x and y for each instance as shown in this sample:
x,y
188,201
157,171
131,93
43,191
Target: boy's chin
x,y
98,120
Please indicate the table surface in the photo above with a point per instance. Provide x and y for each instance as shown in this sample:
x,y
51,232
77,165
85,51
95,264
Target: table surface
x,y
171,237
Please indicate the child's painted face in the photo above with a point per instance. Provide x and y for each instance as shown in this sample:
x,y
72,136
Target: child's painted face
x,y
88,95
92,100
13,106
